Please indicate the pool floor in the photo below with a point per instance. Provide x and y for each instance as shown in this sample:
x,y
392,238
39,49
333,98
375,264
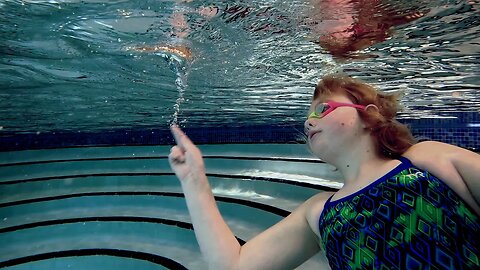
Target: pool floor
x,y
106,207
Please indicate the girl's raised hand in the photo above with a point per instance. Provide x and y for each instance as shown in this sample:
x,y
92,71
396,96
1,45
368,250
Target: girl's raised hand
x,y
185,158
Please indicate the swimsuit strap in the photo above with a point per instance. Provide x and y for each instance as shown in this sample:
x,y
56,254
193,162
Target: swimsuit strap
x,y
329,198
405,160
326,206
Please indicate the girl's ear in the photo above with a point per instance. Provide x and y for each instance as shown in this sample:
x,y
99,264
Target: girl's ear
x,y
372,107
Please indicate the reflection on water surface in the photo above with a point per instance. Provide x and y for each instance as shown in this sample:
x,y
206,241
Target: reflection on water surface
x,y
94,65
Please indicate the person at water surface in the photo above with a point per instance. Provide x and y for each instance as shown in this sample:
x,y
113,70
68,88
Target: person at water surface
x,y
403,205
345,27
341,27
180,30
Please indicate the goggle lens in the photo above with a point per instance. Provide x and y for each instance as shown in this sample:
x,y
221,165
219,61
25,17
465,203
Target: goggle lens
x,y
323,109
320,109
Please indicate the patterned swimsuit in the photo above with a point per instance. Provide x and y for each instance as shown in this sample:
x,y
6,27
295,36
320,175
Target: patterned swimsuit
x,y
408,219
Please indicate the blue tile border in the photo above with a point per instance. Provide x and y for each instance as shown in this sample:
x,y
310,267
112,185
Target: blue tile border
x,y
463,131
148,136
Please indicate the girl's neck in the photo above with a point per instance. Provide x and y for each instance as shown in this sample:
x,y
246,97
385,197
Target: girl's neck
x,y
362,165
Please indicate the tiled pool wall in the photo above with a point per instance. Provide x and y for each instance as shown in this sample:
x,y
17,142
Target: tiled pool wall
x,y
461,129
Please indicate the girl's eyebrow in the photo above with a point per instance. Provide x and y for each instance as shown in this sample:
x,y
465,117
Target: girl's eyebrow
x,y
320,102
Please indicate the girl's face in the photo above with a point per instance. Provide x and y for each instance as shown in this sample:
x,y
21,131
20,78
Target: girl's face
x,y
336,131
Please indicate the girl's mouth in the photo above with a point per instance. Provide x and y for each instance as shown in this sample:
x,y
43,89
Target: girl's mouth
x,y
313,134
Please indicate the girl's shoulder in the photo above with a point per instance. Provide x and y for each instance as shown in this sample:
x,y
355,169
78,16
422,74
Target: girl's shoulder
x,y
431,154
428,154
434,157
455,166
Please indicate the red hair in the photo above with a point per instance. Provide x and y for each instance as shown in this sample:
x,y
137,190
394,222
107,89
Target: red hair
x,y
392,138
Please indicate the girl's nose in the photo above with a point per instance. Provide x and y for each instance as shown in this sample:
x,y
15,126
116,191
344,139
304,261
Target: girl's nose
x,y
309,123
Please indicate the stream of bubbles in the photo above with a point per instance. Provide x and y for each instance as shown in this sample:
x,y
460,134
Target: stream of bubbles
x,y
181,67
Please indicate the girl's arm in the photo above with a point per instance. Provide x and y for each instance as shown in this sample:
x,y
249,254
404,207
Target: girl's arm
x,y
467,164
283,246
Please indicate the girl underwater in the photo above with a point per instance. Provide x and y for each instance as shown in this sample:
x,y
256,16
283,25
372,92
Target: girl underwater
x,y
404,205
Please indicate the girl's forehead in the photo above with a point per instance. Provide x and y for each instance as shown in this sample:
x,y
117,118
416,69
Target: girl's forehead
x,y
332,97
319,100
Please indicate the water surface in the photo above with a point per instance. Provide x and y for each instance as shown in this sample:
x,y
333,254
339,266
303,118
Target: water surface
x,y
75,65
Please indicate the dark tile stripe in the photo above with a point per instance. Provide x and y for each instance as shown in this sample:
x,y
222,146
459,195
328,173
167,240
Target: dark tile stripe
x,y
302,160
160,260
256,178
264,207
164,221
170,222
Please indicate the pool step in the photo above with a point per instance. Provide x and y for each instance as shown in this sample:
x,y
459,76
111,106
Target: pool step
x,y
52,198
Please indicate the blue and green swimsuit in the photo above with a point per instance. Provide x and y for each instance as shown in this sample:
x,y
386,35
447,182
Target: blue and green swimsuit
x,y
408,219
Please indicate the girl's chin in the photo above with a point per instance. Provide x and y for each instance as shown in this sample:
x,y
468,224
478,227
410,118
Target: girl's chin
x,y
312,141
315,149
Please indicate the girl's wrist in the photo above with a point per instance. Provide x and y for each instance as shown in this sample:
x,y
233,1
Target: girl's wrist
x,y
198,183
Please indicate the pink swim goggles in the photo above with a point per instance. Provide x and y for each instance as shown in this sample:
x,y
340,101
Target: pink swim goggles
x,y
322,109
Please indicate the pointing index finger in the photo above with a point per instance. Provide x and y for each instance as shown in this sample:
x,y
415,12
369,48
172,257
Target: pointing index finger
x,y
180,138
